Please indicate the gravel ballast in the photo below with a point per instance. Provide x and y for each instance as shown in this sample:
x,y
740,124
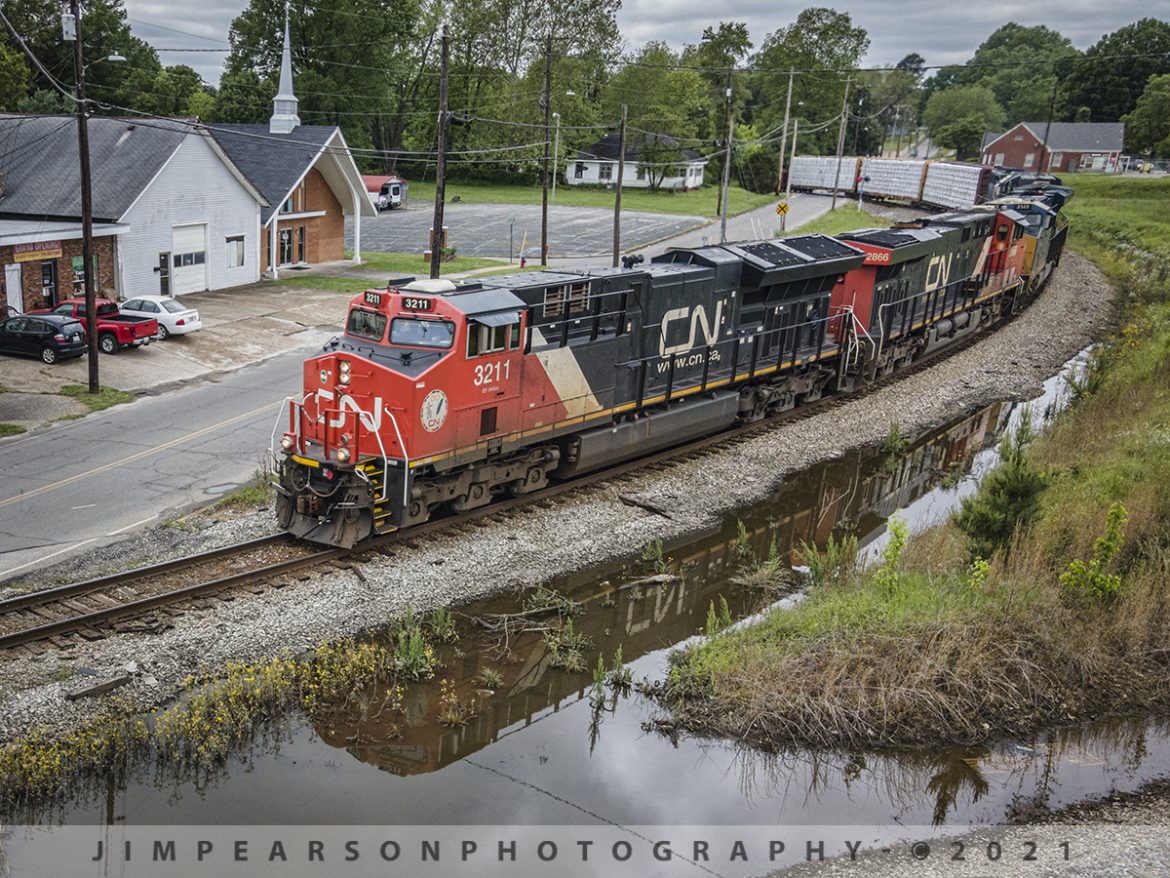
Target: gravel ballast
x,y
535,544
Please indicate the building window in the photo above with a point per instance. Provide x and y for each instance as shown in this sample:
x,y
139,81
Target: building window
x,y
1018,137
999,158
641,173
605,171
1028,159
579,171
235,251
287,207
186,260
77,263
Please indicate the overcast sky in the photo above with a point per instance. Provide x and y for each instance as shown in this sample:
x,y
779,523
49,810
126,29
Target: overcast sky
x,y
942,32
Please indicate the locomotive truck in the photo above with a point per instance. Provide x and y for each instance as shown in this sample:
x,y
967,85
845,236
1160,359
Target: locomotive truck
x,y
444,396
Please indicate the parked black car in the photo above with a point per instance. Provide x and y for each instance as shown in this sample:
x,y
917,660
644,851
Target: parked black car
x,y
48,336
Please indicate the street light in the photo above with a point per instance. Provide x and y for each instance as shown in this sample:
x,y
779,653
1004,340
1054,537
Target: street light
x,y
556,157
557,148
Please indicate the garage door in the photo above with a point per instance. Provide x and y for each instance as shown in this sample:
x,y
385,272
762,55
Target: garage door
x,y
189,259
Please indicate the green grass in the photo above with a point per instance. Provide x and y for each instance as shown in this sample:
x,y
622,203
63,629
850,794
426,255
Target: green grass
x,y
698,202
413,263
10,430
845,218
103,399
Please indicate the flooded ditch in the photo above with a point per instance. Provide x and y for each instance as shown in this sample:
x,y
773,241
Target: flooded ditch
x,y
541,749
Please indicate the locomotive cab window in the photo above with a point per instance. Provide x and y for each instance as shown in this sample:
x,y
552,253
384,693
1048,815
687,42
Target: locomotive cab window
x,y
483,338
421,333
366,324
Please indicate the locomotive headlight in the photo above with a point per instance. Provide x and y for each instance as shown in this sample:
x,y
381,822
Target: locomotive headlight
x,y
343,454
344,438
343,369
286,442
343,378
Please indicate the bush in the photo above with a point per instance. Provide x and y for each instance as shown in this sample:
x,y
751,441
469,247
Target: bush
x,y
1089,583
1008,498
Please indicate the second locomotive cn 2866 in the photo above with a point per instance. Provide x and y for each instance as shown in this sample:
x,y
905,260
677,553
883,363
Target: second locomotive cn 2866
x,y
447,395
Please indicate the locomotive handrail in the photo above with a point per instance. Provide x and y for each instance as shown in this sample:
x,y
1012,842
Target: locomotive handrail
x,y
405,463
276,426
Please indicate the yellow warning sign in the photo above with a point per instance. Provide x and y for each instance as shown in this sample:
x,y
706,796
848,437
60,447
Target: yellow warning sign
x,y
782,208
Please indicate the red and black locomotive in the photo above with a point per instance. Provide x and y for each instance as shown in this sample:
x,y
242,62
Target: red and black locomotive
x,y
447,395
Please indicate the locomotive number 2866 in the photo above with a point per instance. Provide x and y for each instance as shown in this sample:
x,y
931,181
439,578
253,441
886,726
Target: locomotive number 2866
x,y
486,373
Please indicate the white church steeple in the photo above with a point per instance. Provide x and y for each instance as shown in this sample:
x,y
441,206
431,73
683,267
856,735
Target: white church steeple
x,y
284,106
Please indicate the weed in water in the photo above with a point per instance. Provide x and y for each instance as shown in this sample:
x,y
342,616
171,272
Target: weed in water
x,y
490,678
453,712
619,676
717,621
652,554
835,565
442,625
544,598
565,646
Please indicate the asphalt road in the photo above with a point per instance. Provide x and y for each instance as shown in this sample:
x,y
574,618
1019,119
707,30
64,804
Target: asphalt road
x,y
80,483
483,229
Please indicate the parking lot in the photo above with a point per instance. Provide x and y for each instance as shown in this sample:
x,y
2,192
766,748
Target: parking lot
x,y
483,229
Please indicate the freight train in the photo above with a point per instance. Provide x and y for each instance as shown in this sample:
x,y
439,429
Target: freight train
x,y
445,396
919,182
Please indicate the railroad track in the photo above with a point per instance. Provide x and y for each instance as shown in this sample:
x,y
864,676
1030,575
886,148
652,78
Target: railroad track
x,y
94,608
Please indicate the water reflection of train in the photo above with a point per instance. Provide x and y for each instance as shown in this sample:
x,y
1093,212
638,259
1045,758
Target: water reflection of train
x,y
858,492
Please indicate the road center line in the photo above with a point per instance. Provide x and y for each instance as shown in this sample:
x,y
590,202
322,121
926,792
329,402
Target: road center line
x,y
141,454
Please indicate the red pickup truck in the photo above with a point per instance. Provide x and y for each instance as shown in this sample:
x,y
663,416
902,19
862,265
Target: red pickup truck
x,y
115,330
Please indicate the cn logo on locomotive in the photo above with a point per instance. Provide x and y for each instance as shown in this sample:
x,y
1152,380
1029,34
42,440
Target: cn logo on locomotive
x,y
698,318
434,411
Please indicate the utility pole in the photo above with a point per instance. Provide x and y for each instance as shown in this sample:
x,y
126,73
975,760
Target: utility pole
x,y
556,157
784,133
440,163
86,201
726,170
841,141
1047,154
544,171
788,186
617,200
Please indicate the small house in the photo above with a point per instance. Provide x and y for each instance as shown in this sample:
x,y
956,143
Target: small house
x,y
655,161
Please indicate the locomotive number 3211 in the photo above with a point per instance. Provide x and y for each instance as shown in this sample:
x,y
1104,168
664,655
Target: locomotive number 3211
x,y
487,373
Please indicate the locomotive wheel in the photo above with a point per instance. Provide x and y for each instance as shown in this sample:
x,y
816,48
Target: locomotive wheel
x,y
478,494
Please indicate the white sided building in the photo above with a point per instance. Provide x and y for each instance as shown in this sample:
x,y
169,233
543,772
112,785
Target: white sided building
x,y
185,238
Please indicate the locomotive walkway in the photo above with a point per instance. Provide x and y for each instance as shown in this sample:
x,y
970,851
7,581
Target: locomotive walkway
x,y
75,485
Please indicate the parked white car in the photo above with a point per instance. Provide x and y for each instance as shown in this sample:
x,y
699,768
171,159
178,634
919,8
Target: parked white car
x,y
173,318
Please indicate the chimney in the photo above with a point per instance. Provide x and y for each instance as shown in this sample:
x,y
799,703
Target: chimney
x,y
284,106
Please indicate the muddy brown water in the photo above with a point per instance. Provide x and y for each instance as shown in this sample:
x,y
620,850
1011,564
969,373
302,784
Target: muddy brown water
x,y
540,751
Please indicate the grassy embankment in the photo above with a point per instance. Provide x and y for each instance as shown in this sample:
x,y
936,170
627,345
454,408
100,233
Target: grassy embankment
x,y
1049,604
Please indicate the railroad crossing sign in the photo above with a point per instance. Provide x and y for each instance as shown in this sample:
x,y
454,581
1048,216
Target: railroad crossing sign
x,y
782,208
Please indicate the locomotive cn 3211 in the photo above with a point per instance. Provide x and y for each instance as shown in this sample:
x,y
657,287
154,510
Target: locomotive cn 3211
x,y
443,395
